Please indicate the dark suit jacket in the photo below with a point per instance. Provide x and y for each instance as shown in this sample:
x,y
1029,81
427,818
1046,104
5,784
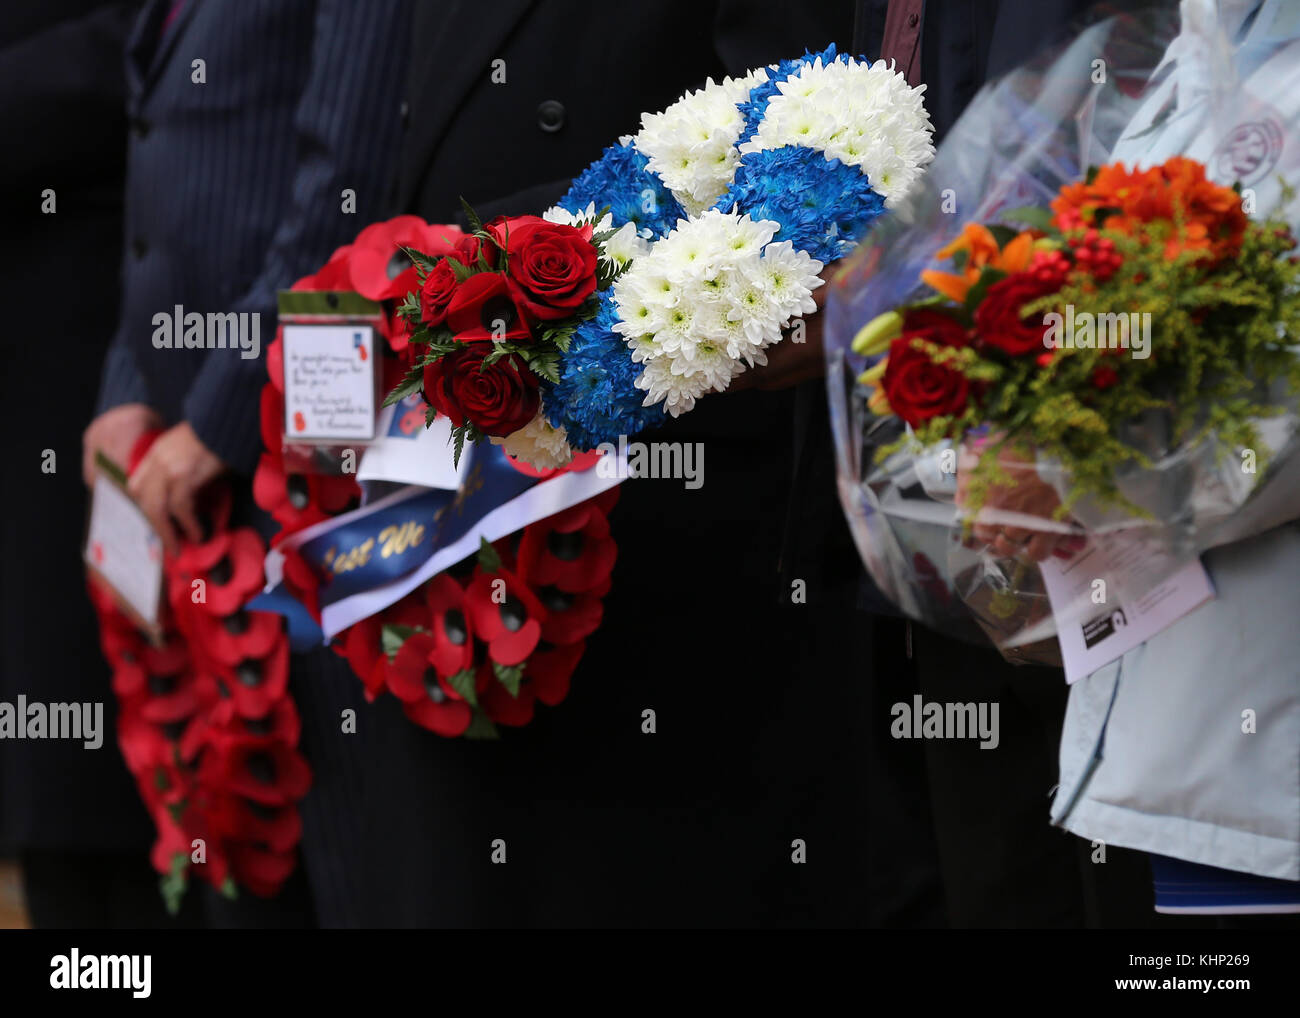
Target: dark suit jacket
x,y
63,123
606,825
235,184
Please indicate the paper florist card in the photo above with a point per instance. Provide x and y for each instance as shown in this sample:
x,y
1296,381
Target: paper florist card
x,y
329,383
122,549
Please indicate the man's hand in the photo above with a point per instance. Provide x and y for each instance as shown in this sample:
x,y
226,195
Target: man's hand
x,y
168,480
114,433
1030,495
789,363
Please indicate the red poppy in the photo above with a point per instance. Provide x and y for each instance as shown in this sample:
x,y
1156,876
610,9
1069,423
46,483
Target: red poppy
x,y
269,773
236,637
428,698
379,270
230,566
335,274
505,614
503,707
549,670
571,550
259,869
453,638
255,684
277,827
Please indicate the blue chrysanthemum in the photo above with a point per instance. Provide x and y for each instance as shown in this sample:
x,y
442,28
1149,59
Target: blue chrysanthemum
x,y
619,179
756,108
824,207
596,399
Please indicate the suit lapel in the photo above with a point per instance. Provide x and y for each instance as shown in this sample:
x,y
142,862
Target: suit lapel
x,y
149,45
454,45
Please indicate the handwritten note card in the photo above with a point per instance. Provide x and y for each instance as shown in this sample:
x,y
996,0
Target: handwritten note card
x,y
123,549
329,383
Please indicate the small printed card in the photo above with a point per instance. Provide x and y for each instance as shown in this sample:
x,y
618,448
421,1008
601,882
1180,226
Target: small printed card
x,y
329,383
1116,593
406,452
122,548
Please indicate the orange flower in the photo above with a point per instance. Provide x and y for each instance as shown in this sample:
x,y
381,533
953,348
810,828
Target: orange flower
x,y
981,252
1212,219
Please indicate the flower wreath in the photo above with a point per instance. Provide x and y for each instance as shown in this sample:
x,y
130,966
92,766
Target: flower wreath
x,y
205,720
480,644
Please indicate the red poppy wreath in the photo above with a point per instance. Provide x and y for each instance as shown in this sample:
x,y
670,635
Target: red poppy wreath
x,y
482,643
205,720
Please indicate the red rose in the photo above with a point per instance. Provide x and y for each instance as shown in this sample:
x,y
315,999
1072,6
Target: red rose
x,y
553,266
484,308
998,320
498,399
1104,376
436,291
917,388
468,248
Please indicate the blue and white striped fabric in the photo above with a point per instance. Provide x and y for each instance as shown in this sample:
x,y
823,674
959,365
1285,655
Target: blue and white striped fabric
x,y
1192,889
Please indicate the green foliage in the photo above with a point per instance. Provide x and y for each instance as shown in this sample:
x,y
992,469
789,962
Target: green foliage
x,y
1221,335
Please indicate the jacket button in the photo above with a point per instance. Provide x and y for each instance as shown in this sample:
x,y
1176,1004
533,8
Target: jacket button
x,y
550,116
404,111
139,247
912,19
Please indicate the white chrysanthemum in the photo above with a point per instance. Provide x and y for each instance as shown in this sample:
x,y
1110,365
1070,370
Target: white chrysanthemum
x,y
538,444
692,144
863,114
624,246
706,301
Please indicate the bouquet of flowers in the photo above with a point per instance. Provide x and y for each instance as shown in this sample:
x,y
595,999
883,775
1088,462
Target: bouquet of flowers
x,y
206,723
673,263
1102,355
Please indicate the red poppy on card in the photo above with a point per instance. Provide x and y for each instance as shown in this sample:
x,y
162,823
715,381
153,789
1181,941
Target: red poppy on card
x,y
380,269
453,639
428,698
505,614
571,550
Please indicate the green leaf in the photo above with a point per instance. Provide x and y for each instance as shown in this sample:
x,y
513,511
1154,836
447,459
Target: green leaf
x,y
463,683
976,293
413,382
228,889
392,636
173,882
460,270
1034,216
488,559
481,727
458,444
1003,235
471,217
510,677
